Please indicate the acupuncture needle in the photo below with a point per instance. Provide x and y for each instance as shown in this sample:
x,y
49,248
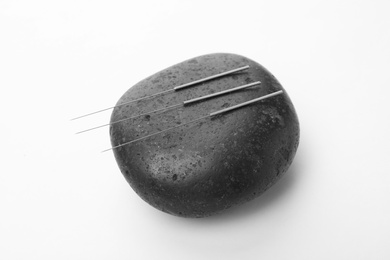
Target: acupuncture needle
x,y
186,85
184,103
200,118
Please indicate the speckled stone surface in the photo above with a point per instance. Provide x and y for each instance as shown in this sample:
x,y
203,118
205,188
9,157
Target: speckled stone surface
x,y
203,168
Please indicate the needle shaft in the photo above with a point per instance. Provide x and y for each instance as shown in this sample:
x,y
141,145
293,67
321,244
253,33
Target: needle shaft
x,y
169,90
129,118
150,135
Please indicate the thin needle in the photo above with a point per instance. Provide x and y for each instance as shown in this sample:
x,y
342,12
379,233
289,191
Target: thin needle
x,y
187,102
132,117
201,118
131,101
165,130
170,90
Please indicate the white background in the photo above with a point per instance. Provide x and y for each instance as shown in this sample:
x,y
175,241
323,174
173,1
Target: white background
x,y
60,198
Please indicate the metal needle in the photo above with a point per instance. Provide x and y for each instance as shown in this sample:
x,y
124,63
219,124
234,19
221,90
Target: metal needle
x,y
170,90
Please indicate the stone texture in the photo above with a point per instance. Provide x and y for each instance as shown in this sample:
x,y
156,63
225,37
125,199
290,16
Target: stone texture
x,y
203,168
